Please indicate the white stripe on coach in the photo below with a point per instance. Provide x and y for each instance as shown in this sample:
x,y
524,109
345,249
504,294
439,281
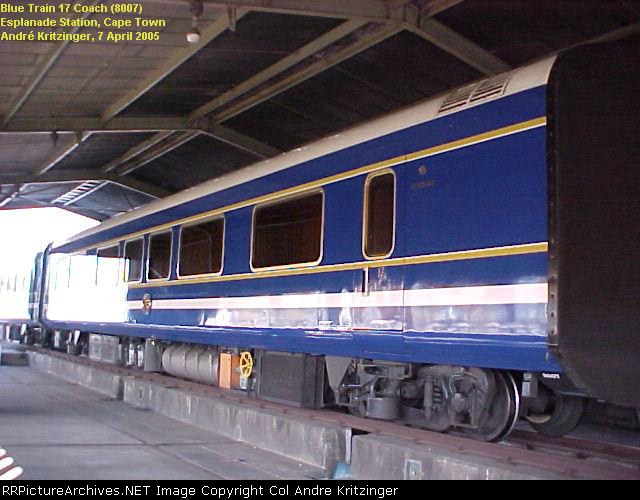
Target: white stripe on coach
x,y
529,293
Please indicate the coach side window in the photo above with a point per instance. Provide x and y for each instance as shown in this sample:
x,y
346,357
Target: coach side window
x,y
379,215
288,232
82,271
58,271
109,265
201,248
159,256
133,260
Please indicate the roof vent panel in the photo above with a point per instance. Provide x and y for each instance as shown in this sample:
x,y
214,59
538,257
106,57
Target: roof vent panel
x,y
457,99
490,88
466,96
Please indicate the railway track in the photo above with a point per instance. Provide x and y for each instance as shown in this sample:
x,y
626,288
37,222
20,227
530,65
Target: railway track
x,y
568,457
593,451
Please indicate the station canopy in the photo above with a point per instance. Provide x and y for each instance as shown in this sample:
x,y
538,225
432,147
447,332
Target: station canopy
x,y
102,127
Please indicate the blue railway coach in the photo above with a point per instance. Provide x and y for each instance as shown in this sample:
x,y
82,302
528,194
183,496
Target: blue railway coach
x,y
461,263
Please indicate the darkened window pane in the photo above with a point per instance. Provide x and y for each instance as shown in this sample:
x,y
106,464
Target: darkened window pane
x,y
109,265
201,248
133,258
288,233
159,256
109,253
380,215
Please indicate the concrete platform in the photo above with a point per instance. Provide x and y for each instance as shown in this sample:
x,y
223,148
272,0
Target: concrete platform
x,y
109,384
12,355
318,444
384,457
59,430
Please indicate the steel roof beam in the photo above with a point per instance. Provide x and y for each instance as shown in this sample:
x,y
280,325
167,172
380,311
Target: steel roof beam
x,y
61,154
436,6
241,141
212,31
451,41
35,125
278,68
136,151
58,176
173,142
7,198
136,185
42,70
161,144
630,30
373,37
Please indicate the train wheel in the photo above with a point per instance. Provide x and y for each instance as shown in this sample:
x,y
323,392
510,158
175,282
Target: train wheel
x,y
503,412
563,414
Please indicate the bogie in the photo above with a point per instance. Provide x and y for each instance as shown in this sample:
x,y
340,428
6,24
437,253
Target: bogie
x,y
484,403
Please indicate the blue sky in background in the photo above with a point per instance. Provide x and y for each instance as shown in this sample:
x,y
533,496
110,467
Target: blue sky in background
x,y
24,233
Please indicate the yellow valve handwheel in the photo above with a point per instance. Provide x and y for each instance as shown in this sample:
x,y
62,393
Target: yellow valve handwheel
x,y
246,364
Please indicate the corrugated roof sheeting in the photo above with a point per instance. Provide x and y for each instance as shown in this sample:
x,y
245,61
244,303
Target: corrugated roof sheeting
x,y
88,77
99,149
198,160
395,73
519,31
21,154
260,39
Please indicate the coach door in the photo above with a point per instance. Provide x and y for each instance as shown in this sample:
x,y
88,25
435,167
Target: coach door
x,y
379,306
